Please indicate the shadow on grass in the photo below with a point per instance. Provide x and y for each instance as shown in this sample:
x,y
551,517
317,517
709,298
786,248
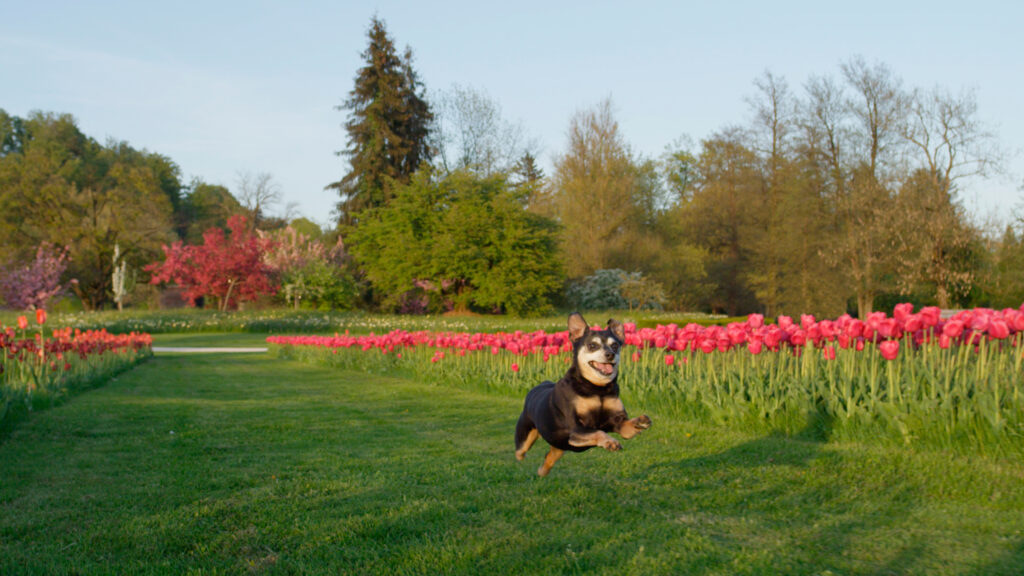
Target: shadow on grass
x,y
790,491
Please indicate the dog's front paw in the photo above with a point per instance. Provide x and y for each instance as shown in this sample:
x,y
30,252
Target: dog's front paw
x,y
643,422
610,444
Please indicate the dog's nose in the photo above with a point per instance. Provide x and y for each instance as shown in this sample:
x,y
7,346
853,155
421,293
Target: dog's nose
x,y
609,356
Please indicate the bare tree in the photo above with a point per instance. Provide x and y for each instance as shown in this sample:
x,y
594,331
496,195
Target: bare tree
x,y
257,193
864,246
471,134
949,144
774,109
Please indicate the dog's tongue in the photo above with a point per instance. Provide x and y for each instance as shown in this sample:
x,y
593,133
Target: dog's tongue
x,y
605,369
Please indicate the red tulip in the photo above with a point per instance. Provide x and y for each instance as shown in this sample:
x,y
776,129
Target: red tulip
x,y
669,360
953,328
998,329
902,311
890,349
829,352
22,322
755,347
515,367
806,321
40,316
944,341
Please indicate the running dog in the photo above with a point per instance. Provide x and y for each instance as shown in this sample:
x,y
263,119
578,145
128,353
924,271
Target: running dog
x,y
577,412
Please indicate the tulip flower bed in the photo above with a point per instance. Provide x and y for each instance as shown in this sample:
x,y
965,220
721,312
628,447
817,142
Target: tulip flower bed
x,y
36,371
914,376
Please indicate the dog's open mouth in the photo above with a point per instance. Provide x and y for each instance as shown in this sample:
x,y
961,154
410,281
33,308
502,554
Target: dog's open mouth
x,y
603,368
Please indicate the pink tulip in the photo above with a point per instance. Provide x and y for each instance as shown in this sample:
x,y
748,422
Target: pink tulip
x,y
829,352
902,311
953,328
806,321
998,329
890,349
669,360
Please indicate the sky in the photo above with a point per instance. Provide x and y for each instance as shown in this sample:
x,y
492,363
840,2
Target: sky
x,y
225,88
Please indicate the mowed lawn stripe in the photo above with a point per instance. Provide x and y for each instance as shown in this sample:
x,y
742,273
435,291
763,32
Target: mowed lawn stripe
x,y
250,464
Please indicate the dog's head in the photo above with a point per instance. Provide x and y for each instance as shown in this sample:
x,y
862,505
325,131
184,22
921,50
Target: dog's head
x,y
596,352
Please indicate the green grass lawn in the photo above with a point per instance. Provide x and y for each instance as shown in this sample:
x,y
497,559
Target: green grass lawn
x,y
211,340
248,464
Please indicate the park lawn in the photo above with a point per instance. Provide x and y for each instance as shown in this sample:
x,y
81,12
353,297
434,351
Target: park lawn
x,y
211,340
248,464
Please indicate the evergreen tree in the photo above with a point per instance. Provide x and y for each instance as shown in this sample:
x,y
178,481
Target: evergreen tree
x,y
387,128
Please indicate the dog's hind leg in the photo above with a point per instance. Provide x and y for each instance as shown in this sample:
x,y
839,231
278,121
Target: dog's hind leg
x,y
527,442
526,435
553,455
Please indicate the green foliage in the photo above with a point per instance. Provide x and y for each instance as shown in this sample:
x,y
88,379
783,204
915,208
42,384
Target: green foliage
x,y
205,206
59,186
320,284
464,242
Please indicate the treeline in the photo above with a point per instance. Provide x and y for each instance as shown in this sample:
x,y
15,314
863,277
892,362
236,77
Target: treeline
x,y
842,196
68,203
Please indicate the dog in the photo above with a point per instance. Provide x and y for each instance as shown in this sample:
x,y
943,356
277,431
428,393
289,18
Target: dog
x,y
577,412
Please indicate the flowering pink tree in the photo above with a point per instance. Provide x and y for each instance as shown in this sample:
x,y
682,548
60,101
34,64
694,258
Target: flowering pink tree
x,y
228,267
35,284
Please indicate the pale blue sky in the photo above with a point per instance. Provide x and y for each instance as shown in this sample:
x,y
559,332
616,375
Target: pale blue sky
x,y
224,87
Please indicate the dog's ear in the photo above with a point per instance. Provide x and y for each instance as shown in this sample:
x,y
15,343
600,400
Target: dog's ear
x,y
615,327
577,326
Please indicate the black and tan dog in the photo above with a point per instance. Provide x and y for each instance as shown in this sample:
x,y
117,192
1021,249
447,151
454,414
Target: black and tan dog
x,y
579,411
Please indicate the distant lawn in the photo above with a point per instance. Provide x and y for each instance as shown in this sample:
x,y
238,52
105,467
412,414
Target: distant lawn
x,y
212,340
246,464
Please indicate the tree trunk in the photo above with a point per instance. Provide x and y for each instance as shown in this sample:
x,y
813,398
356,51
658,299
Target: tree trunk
x,y
865,304
227,297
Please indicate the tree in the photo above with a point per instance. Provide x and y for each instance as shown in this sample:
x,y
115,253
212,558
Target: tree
x,y
774,111
720,217
388,127
257,193
593,191
861,148
308,271
32,286
472,135
59,186
461,242
1006,284
206,206
951,145
227,267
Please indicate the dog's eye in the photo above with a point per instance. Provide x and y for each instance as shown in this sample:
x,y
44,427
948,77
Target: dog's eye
x,y
615,346
593,346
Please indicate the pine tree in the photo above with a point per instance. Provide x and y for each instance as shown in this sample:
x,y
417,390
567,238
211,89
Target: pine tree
x,y
388,127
